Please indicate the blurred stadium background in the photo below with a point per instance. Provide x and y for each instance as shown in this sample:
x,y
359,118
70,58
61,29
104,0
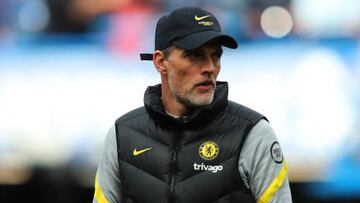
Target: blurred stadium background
x,y
69,68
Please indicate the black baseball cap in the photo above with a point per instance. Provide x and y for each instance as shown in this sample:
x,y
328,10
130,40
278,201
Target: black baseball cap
x,y
188,28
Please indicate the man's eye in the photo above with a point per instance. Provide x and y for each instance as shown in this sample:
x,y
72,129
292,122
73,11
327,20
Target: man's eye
x,y
194,53
217,55
197,54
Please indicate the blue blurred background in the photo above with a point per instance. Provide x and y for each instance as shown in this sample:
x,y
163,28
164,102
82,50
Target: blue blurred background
x,y
69,68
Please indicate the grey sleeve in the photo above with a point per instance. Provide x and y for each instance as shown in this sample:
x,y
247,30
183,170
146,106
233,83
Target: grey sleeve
x,y
107,181
262,165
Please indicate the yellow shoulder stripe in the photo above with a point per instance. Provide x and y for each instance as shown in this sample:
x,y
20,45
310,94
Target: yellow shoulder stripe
x,y
274,186
99,195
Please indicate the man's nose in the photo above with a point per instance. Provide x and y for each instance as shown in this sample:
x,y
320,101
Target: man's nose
x,y
209,65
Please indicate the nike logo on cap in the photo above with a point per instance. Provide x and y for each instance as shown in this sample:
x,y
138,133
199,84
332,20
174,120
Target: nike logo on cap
x,y
136,152
197,18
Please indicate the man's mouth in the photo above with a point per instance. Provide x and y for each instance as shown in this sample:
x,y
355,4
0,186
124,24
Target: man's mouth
x,y
206,85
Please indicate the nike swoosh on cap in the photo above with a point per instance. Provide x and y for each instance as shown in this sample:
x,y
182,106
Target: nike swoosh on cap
x,y
197,18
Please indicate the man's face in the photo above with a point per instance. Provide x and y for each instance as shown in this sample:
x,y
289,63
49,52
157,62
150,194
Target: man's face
x,y
192,74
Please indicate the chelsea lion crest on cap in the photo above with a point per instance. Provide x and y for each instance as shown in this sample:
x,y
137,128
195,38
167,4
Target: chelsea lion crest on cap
x,y
209,150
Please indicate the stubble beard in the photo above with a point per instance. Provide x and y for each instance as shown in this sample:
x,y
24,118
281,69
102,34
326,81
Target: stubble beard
x,y
189,97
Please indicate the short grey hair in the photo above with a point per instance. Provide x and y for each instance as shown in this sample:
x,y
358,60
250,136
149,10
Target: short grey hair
x,y
167,51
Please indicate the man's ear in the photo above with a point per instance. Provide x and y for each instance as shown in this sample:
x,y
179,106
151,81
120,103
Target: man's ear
x,y
159,61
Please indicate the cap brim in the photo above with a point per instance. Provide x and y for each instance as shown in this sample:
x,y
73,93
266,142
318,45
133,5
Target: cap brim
x,y
146,57
198,39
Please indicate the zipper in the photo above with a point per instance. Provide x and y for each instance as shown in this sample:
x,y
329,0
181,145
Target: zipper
x,y
173,175
173,165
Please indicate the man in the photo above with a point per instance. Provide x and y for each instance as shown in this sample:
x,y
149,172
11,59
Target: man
x,y
189,143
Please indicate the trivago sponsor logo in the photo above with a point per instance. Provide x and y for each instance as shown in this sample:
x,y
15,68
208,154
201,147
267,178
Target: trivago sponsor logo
x,y
203,167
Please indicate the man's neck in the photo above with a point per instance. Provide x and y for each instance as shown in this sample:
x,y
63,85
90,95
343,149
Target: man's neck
x,y
173,107
171,104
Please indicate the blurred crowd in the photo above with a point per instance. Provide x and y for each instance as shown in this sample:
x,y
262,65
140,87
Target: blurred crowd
x,y
128,24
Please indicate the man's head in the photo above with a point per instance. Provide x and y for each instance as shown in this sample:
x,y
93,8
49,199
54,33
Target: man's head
x,y
190,75
188,48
